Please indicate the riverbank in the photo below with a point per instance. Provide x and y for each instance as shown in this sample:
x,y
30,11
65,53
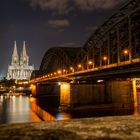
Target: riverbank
x,y
102,128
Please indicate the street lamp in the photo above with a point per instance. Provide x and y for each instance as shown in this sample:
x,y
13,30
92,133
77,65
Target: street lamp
x,y
90,63
72,69
125,53
59,72
105,59
79,66
64,71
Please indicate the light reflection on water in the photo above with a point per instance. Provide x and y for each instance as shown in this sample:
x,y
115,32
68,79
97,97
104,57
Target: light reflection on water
x,y
19,109
16,109
46,116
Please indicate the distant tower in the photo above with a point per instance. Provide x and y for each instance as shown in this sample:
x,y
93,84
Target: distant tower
x,y
20,70
15,56
24,58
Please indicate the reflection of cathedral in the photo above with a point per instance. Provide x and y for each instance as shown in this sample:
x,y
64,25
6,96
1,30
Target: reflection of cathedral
x,y
20,68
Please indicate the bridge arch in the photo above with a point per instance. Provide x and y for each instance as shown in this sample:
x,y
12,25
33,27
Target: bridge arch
x,y
58,58
117,34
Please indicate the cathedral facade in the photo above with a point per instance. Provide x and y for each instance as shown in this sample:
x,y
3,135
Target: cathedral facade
x,y
19,68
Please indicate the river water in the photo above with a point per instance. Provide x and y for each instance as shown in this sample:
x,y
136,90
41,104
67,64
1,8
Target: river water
x,y
19,109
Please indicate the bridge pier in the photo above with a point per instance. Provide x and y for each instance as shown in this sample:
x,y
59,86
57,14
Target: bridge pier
x,y
117,94
64,94
33,89
120,93
87,94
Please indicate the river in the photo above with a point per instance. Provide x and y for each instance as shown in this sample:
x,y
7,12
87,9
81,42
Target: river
x,y
20,109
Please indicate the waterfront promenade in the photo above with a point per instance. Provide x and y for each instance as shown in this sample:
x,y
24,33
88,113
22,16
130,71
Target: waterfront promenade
x,y
102,128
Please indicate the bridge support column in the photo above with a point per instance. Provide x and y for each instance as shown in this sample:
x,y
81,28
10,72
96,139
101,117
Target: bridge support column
x,y
136,94
34,89
64,94
121,93
130,38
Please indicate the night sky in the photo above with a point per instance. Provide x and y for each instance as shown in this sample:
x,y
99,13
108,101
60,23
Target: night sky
x,y
47,23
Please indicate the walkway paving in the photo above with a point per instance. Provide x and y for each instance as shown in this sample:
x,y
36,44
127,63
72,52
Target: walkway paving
x,y
102,128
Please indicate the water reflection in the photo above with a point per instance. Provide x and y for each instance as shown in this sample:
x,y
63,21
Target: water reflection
x,y
16,109
43,112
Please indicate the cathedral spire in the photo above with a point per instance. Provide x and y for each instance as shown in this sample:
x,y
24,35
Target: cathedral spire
x,y
24,56
19,70
15,57
24,53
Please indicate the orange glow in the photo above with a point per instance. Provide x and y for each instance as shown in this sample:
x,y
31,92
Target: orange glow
x,y
59,72
135,96
79,66
40,112
65,94
105,58
64,70
90,62
33,88
71,68
125,51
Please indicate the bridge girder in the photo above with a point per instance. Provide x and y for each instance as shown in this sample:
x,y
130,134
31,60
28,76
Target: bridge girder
x,y
58,58
121,31
116,40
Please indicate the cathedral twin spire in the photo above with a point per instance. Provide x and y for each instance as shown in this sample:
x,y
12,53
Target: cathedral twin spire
x,y
24,58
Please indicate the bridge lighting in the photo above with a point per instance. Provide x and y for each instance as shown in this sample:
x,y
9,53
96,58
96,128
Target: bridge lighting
x,y
51,74
125,52
105,58
55,73
79,66
90,62
72,69
64,70
59,72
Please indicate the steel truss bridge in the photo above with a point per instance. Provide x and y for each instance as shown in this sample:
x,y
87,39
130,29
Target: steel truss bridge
x,y
114,48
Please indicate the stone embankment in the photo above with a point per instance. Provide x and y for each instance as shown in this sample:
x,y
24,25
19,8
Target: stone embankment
x,y
102,128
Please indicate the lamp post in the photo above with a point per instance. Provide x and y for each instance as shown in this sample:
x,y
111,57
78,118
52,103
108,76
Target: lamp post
x,y
80,67
125,54
90,64
105,59
59,72
64,71
72,69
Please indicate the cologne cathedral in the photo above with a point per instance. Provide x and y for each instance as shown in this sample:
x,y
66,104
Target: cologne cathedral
x,y
19,68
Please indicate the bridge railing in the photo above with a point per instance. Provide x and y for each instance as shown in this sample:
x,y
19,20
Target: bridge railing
x,y
65,74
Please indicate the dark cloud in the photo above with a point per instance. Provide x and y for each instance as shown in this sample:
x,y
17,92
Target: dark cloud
x,y
59,23
97,4
65,6
61,6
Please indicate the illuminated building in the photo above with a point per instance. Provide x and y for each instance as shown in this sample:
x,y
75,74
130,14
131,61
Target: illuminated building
x,y
19,68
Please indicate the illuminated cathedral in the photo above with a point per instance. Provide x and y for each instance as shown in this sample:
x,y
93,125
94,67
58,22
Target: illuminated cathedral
x,y
19,68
